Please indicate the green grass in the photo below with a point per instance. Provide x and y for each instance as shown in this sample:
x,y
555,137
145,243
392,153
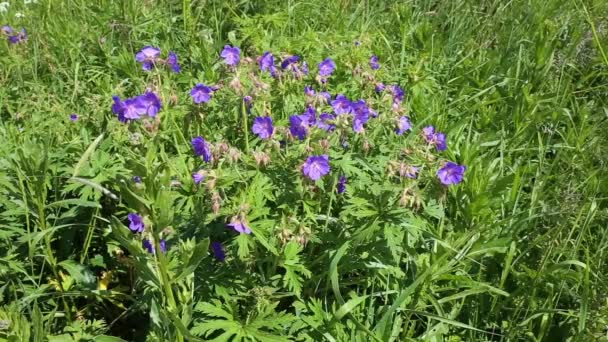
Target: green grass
x,y
516,252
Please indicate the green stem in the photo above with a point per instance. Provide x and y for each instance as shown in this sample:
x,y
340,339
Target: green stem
x,y
245,129
89,237
162,267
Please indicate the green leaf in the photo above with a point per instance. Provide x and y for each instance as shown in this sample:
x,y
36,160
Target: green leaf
x,y
200,252
86,155
80,273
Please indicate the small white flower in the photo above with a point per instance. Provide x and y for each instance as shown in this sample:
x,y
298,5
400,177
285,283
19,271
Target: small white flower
x,y
3,6
19,15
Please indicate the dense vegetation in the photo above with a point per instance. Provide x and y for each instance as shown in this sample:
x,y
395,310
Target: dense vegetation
x,y
422,170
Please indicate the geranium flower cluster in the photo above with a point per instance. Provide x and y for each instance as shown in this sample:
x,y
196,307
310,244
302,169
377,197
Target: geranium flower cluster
x,y
13,36
339,114
149,57
135,107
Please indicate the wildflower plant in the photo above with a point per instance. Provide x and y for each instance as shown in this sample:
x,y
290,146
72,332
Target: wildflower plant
x,y
262,187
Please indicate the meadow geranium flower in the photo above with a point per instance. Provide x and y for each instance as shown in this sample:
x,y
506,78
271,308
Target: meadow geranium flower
x,y
231,55
198,177
310,115
341,187
287,62
73,117
202,148
136,179
327,67
308,91
133,108
262,126
434,138
218,250
172,62
248,100
239,226
149,104
316,167
267,62
298,126
148,56
361,115
341,105
379,87
147,244
6,29
408,171
451,173
304,68
201,93
326,122
136,223
325,96
118,108
19,37
403,125
373,62
398,94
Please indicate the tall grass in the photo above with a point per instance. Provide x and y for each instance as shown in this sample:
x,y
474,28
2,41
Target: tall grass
x,y
516,252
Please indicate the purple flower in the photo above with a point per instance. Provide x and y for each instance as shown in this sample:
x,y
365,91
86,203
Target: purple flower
x,y
327,67
308,91
248,100
287,62
231,55
147,244
239,226
198,177
341,187
202,148
373,62
316,167
451,173
304,68
409,171
132,108
6,30
267,62
118,108
149,103
437,139
136,223
73,117
262,126
201,93
298,126
325,122
325,96
398,94
136,179
403,125
17,38
310,115
172,62
148,57
341,105
361,112
379,87
218,250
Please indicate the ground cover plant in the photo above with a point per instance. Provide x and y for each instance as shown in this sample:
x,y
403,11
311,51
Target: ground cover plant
x,y
303,170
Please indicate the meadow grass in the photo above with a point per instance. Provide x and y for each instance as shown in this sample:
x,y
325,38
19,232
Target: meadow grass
x,y
515,252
